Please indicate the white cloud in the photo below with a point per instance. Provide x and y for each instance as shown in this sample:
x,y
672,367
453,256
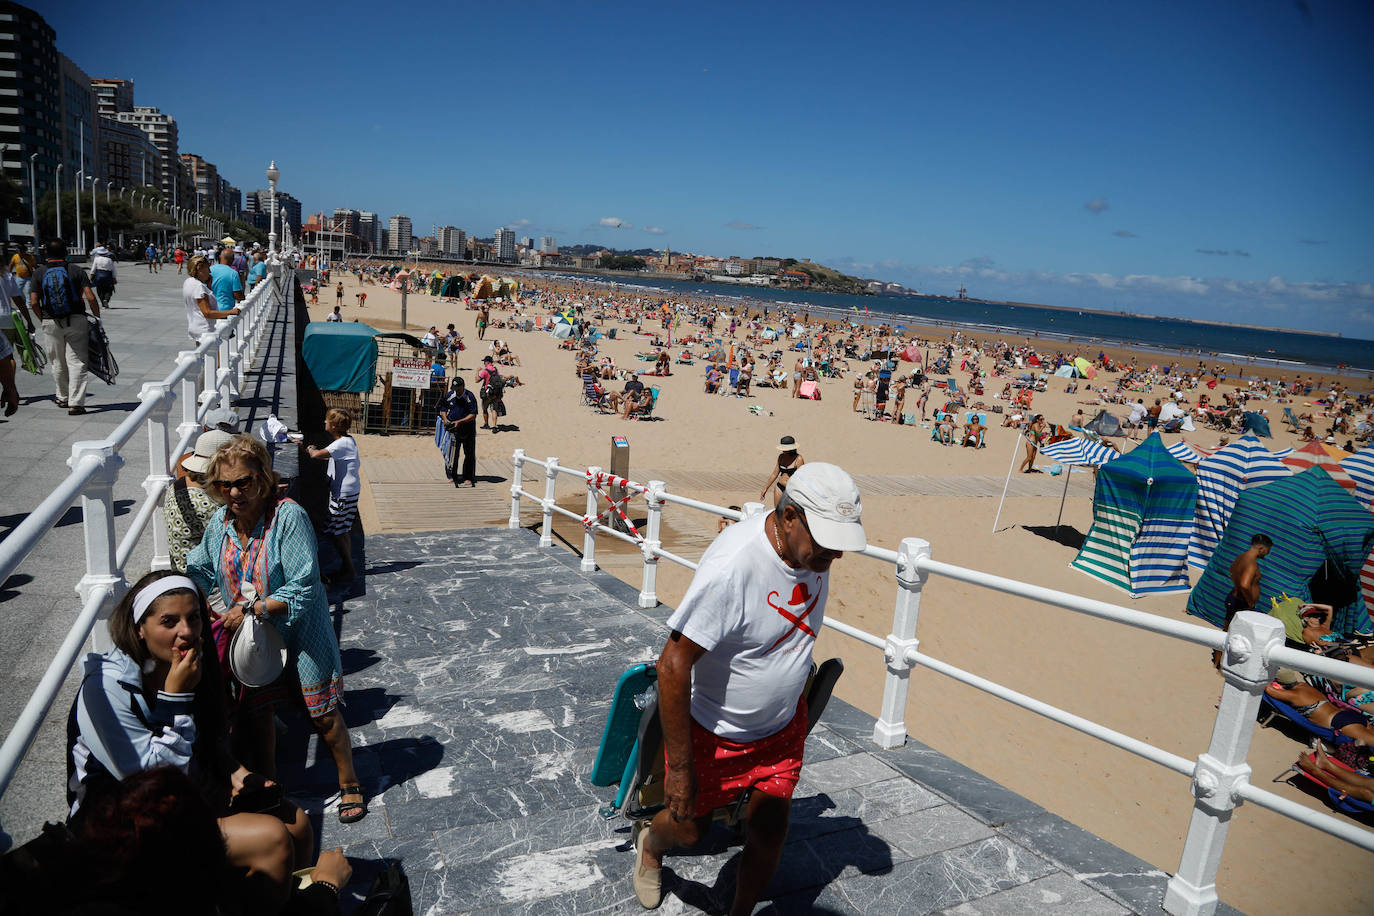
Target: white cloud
x,y
1097,205
654,230
615,222
520,223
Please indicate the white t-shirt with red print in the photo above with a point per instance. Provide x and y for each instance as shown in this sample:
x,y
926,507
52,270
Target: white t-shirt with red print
x,y
757,619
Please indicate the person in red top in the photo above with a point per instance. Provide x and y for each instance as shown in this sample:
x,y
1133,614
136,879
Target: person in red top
x,y
492,388
179,256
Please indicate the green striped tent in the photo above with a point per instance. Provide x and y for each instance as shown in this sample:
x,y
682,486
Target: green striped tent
x,y
1312,520
1143,510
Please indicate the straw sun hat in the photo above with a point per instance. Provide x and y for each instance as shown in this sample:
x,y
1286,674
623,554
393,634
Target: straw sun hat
x,y
787,444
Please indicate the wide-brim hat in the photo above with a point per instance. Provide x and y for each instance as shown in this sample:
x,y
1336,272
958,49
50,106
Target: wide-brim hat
x,y
257,653
207,443
787,444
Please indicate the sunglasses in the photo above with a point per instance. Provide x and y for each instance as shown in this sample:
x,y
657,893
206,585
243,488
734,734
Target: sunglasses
x,y
243,483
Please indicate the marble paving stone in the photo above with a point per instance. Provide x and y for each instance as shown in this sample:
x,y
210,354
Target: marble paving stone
x,y
989,802
846,772
825,744
930,831
828,812
1050,895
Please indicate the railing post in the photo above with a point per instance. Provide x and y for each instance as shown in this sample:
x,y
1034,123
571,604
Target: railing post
x,y
210,357
588,522
239,348
652,542
190,395
1222,770
550,482
517,480
97,511
224,379
890,729
159,462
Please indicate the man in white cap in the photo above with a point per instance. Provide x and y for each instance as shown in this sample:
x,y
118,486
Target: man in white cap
x,y
731,676
103,275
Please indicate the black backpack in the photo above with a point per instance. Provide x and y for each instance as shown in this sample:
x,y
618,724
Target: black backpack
x,y
59,294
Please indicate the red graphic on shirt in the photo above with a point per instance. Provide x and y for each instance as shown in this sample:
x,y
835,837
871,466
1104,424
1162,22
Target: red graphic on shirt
x,y
800,596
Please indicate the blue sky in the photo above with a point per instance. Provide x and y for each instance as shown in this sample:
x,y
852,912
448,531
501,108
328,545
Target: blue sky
x,y
1171,158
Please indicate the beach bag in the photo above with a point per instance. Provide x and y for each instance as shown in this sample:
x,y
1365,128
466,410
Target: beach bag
x,y
28,351
908,419
389,894
100,360
59,297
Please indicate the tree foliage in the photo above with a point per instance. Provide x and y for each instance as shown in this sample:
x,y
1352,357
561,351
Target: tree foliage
x,y
621,262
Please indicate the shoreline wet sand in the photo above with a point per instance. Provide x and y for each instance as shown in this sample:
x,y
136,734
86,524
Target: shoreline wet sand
x,y
1154,689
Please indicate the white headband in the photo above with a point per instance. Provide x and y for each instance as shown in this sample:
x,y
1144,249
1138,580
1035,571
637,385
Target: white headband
x,y
144,599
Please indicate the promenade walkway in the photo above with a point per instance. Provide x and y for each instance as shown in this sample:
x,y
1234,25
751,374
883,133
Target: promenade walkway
x,y
478,669
147,328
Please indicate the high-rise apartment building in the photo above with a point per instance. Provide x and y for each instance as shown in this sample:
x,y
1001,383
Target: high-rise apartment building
x,y
503,246
346,220
113,96
205,178
177,183
453,242
547,245
128,158
30,119
398,235
527,243
371,230
76,106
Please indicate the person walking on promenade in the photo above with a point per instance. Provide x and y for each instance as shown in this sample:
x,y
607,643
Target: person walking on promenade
x,y
731,676
61,296
22,265
344,488
179,258
460,419
150,255
787,463
103,275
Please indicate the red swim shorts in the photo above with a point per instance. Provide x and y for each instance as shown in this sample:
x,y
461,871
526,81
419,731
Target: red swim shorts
x,y
725,768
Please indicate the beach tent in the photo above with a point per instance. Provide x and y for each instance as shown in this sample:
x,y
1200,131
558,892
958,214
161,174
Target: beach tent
x,y
1085,368
1069,452
1185,452
1142,520
1067,371
1240,466
1104,424
561,328
1312,520
1360,467
1318,454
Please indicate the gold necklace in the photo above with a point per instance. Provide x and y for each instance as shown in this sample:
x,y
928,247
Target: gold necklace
x,y
777,539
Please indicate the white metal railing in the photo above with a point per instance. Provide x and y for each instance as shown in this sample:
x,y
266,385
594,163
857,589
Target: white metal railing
x,y
1252,650
211,375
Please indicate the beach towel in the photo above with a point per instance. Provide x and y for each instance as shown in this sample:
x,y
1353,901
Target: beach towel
x,y
810,390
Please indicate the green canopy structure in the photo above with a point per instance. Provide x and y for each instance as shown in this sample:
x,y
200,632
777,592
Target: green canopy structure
x,y
341,355
1314,522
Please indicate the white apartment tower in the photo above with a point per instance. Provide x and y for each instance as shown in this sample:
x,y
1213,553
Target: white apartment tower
x,y
399,239
503,246
453,241
548,245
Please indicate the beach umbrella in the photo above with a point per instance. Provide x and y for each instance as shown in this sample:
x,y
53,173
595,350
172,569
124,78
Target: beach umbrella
x,y
1313,521
1242,465
911,354
1142,521
1184,452
1315,453
1085,367
1068,452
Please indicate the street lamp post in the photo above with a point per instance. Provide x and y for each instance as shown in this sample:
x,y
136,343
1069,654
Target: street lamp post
x,y
33,195
59,199
273,173
80,238
95,217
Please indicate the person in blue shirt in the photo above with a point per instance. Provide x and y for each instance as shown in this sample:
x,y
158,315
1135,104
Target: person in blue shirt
x,y
459,413
259,269
225,282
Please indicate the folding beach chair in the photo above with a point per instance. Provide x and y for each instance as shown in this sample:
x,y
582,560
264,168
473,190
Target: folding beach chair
x,y
1292,420
631,752
591,395
647,411
982,419
734,382
1339,800
1271,709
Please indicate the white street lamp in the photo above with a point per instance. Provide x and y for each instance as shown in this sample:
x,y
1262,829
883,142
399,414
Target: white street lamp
x,y
95,217
273,173
33,195
80,238
59,199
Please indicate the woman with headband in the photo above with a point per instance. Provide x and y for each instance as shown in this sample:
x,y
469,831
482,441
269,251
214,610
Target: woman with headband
x,y
154,700
260,553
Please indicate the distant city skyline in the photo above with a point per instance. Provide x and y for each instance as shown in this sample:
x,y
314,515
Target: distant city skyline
x,y
1196,161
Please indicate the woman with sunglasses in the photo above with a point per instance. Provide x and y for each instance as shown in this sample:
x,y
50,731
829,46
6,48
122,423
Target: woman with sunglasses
x,y
154,701
255,539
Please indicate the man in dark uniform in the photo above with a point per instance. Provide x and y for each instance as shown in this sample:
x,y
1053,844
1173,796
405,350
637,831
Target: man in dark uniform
x,y
460,419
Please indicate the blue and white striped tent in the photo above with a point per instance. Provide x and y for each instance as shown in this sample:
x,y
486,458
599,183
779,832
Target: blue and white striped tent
x,y
1079,451
1360,467
1312,520
1243,464
1142,520
1185,452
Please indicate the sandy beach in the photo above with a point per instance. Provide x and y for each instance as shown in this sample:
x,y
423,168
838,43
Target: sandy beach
x,y
1155,689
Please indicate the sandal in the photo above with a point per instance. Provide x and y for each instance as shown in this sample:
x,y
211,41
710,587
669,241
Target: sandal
x,y
351,812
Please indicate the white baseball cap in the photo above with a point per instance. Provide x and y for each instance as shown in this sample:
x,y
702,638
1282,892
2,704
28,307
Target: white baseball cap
x,y
830,500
